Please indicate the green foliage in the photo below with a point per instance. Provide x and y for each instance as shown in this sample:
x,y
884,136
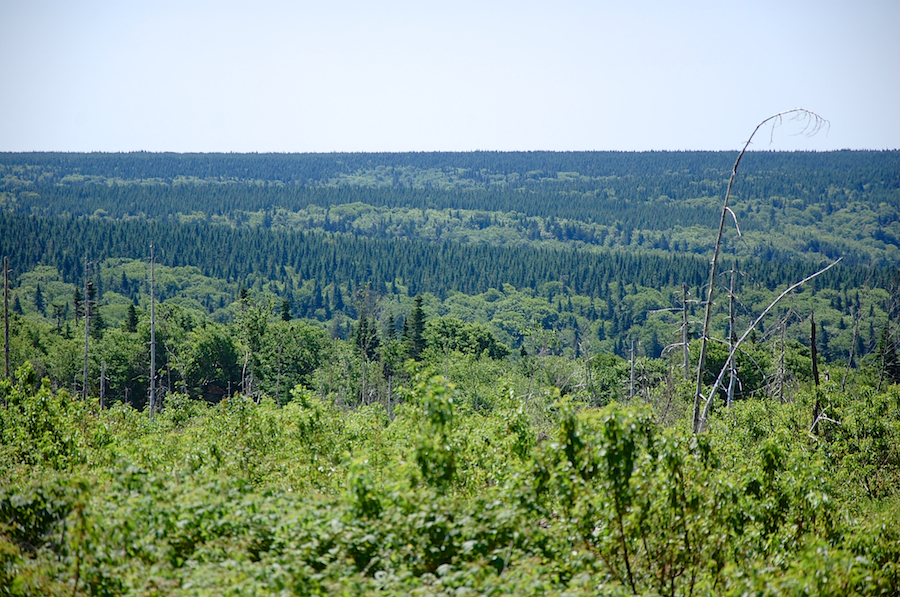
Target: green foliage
x,y
310,499
435,453
447,334
886,357
213,362
609,379
366,336
753,367
861,437
38,427
350,467
414,331
291,352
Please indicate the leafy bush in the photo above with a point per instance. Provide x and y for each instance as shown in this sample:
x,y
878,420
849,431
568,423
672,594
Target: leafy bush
x,y
309,498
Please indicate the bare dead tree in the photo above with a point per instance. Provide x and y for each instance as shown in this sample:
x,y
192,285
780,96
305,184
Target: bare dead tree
x,y
812,123
87,330
102,385
152,334
732,370
782,365
685,349
817,406
684,330
6,314
857,315
814,351
631,378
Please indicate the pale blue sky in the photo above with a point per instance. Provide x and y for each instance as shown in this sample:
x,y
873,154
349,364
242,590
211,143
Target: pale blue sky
x,y
451,76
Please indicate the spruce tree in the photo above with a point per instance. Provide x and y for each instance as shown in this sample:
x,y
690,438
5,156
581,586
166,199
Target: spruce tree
x,y
78,304
97,323
415,331
131,320
39,299
59,316
390,328
366,336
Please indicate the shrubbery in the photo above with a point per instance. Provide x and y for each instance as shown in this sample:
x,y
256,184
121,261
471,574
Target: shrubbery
x,y
252,498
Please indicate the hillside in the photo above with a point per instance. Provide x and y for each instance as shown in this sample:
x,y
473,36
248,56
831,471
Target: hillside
x,y
448,374
592,248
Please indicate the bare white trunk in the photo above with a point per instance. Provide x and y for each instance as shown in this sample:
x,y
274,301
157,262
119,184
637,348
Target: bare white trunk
x,y
152,334
87,332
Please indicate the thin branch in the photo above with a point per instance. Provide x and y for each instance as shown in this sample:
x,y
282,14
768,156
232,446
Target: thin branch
x,y
787,291
822,417
734,217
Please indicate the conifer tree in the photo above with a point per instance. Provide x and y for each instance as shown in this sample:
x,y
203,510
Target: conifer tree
x,y
97,323
390,328
131,319
338,299
366,338
59,316
78,304
39,299
414,331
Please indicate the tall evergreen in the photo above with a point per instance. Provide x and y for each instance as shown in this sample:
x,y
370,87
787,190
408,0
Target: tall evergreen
x,y
97,323
390,328
366,338
414,330
131,320
77,304
39,299
338,299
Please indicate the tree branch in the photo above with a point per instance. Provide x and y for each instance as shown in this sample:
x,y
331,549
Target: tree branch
x,y
787,291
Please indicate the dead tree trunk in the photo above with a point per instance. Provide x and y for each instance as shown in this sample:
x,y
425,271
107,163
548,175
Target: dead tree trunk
x,y
816,124
856,316
631,379
732,337
782,369
87,331
817,405
6,314
718,383
102,384
685,349
813,348
152,334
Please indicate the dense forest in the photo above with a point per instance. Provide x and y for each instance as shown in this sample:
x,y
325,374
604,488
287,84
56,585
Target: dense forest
x,y
449,372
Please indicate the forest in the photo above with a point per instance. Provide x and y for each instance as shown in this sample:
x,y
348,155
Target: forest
x,y
449,374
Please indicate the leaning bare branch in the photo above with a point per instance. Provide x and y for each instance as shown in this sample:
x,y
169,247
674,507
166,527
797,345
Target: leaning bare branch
x,y
719,379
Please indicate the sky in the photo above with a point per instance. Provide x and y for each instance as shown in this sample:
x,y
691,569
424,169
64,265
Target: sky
x,y
499,75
